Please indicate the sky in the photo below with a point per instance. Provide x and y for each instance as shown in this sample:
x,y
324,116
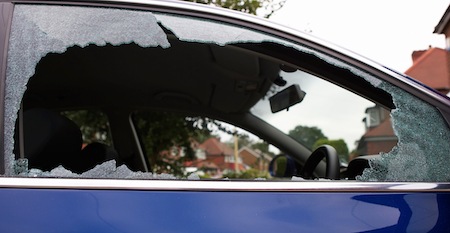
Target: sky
x,y
386,31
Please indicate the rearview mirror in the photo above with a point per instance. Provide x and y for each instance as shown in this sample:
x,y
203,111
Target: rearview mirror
x,y
286,98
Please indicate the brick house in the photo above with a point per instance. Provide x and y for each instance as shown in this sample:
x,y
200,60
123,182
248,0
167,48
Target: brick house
x,y
202,167
221,155
430,68
379,136
255,158
443,27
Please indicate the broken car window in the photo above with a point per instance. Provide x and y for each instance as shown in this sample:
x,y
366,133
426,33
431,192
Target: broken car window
x,y
61,56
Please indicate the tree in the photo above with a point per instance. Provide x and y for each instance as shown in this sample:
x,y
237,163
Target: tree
x,y
339,145
307,136
247,6
161,134
163,131
203,133
92,123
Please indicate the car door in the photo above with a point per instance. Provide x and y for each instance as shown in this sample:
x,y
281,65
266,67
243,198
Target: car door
x,y
125,58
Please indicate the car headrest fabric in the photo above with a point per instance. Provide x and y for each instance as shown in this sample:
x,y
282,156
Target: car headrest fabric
x,y
50,139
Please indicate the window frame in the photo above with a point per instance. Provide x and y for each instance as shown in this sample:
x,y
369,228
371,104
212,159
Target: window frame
x,y
397,79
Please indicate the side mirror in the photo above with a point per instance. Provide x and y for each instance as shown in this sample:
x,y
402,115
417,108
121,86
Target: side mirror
x,y
282,166
286,98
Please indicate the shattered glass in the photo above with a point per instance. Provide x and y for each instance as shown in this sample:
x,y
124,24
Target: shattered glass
x,y
20,165
421,153
38,30
296,178
106,170
423,134
194,30
422,150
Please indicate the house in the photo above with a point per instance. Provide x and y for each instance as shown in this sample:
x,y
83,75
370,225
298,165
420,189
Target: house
x,y
255,158
202,167
172,156
430,67
443,27
200,164
379,135
221,155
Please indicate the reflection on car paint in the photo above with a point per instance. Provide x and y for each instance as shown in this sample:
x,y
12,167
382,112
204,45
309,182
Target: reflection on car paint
x,y
90,210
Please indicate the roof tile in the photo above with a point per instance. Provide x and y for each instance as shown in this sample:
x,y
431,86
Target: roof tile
x,y
430,68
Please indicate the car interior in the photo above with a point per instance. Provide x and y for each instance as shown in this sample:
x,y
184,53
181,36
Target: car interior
x,y
192,78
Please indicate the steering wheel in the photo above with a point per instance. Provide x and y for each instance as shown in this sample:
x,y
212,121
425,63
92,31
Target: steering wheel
x,y
332,160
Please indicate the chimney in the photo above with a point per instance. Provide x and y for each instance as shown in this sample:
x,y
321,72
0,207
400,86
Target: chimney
x,y
417,54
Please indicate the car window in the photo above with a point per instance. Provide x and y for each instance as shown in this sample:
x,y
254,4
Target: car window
x,y
108,57
329,114
93,124
201,146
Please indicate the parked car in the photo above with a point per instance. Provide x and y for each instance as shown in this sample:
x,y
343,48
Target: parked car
x,y
131,61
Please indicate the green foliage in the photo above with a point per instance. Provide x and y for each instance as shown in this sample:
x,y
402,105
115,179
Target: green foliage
x,y
162,131
205,176
158,131
247,6
203,125
307,136
247,174
202,135
93,124
243,140
312,137
339,145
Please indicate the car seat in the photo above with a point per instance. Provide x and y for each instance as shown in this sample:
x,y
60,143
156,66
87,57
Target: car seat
x,y
51,139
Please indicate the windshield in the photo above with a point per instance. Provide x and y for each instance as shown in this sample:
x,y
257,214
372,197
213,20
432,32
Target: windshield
x,y
328,114
396,142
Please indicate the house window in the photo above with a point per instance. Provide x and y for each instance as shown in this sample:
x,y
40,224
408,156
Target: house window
x,y
200,154
373,117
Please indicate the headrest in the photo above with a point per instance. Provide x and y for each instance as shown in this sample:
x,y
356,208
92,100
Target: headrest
x,y
50,139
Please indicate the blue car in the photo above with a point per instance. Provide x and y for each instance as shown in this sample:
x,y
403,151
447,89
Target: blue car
x,y
116,117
